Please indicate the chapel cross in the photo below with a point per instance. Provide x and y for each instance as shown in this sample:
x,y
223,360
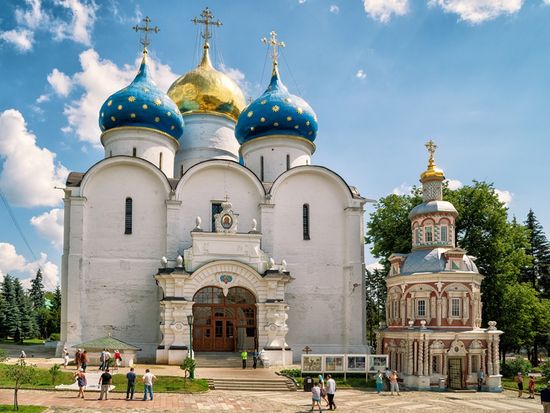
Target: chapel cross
x,y
431,147
274,44
146,29
207,20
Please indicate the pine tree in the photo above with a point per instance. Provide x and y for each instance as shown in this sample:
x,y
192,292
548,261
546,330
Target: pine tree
x,y
3,309
37,291
29,328
538,273
11,314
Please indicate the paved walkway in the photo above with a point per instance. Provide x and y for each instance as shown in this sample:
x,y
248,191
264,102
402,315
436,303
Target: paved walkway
x,y
285,402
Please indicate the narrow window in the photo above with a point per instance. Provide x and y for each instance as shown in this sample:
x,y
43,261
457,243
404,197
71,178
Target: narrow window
x,y
421,308
287,162
128,217
134,152
444,236
474,368
110,153
160,161
305,216
428,234
262,168
455,307
181,171
216,209
307,161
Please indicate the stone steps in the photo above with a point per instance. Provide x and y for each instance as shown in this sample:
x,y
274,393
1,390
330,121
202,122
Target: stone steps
x,y
280,384
221,360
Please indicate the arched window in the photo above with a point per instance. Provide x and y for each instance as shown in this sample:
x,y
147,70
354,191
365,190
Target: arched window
x,y
181,171
128,216
262,168
305,217
287,162
134,152
443,230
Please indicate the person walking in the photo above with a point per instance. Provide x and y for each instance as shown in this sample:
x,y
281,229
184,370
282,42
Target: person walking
x,y
102,359
148,380
316,396
323,392
379,381
84,360
387,376
244,357
531,386
331,391
394,385
545,398
519,380
131,387
118,359
255,359
480,379
65,358
80,376
77,356
105,381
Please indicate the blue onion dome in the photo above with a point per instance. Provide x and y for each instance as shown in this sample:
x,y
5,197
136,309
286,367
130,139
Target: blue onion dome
x,y
142,104
276,112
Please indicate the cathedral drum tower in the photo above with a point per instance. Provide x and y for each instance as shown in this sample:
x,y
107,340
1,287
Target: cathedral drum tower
x,y
433,306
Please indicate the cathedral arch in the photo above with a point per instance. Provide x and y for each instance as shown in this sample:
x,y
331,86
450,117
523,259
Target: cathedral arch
x,y
124,160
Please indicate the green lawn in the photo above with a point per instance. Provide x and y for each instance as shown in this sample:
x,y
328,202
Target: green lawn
x,y
510,384
26,342
22,409
43,380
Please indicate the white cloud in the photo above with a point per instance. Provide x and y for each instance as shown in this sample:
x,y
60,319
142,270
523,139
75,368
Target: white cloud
x,y
42,98
60,82
335,9
15,264
50,226
403,189
454,184
301,1
361,74
66,19
99,79
83,16
478,11
547,2
29,173
504,196
382,10
21,39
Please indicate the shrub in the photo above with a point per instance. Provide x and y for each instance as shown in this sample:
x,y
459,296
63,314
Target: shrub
x,y
188,365
545,370
511,368
291,372
55,337
54,371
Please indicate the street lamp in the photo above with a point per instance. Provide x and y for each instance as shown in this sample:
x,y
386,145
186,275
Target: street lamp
x,y
190,323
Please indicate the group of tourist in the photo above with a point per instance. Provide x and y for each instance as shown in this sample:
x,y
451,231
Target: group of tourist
x,y
255,357
390,379
325,392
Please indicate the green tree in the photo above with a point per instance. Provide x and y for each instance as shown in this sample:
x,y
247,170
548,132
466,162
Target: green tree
x,y
12,325
20,373
27,320
376,303
55,312
538,273
36,291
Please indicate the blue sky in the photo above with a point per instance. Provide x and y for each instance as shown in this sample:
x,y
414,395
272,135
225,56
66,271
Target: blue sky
x,y
383,76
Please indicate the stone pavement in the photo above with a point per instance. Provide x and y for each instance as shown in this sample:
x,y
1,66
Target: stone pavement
x,y
284,402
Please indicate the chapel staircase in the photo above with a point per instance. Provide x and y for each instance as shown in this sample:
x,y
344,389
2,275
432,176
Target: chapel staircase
x,y
275,384
221,360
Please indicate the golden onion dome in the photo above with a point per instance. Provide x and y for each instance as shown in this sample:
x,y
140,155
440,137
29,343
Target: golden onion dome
x,y
207,90
433,173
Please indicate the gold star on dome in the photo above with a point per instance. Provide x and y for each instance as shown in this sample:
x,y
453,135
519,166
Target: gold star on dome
x,y
119,107
109,103
172,127
249,114
262,119
131,98
308,123
144,106
275,108
289,118
146,90
158,102
296,126
113,118
132,115
263,102
288,100
300,111
157,119
168,113
276,124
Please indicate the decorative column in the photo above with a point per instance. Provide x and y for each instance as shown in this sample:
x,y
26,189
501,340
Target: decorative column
x,y
427,357
420,365
410,355
496,354
483,367
489,356
444,364
415,357
402,312
439,310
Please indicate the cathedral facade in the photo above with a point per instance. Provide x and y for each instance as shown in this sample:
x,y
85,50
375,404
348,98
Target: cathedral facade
x,y
204,206
433,336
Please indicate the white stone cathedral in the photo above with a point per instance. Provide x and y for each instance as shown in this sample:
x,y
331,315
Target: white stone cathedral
x,y
204,206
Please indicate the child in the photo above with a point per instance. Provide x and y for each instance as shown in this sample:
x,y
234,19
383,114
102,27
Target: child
x,y
316,396
532,384
379,382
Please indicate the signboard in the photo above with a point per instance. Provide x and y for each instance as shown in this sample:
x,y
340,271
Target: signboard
x,y
344,363
356,363
334,364
377,362
312,363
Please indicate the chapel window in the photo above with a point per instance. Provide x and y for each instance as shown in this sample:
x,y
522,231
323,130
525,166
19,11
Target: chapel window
x,y
436,364
475,366
395,309
455,307
444,233
287,162
428,234
134,152
160,161
110,153
261,168
305,218
128,216
216,209
181,171
421,308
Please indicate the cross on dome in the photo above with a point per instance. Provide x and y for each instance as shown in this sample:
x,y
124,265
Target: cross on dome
x,y
207,20
431,147
146,29
274,44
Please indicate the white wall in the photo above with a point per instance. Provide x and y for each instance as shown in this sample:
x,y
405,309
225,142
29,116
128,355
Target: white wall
x,y
274,151
206,136
148,144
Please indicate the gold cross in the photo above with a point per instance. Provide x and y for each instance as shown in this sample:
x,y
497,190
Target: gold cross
x,y
207,20
146,29
431,147
274,44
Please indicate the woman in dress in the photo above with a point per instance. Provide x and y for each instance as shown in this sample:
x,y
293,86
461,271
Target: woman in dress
x,y
81,381
84,360
118,359
531,387
379,382
316,396
65,358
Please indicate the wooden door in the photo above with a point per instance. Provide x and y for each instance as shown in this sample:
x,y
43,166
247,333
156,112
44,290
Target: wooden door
x,y
455,373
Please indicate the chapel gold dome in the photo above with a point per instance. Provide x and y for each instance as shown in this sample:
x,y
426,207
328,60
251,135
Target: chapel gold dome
x,y
205,89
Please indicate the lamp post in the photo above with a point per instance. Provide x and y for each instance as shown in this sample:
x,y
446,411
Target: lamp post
x,y
190,323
